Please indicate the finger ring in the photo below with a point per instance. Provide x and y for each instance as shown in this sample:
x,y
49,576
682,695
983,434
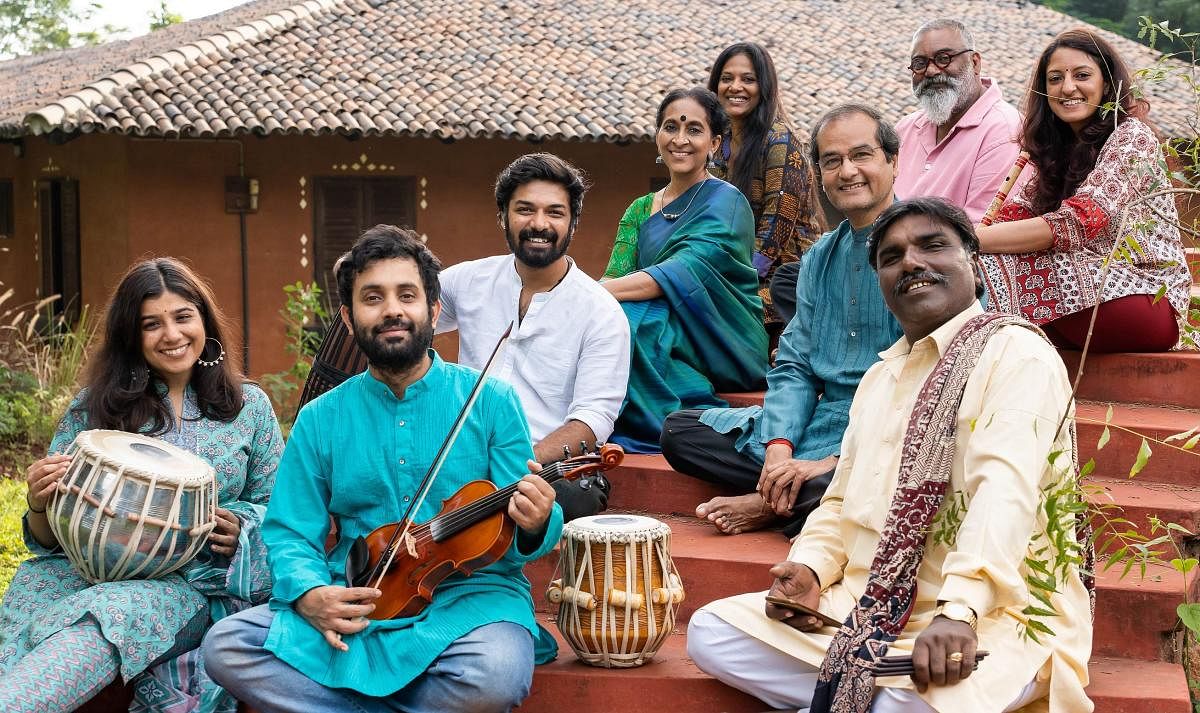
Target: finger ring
x,y
956,657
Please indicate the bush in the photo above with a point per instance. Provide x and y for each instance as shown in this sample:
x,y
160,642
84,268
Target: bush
x,y
12,547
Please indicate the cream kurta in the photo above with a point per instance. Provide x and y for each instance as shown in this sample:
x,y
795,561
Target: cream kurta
x,y
1006,424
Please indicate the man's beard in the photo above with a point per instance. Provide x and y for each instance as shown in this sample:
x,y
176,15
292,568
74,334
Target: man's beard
x,y
394,357
939,97
517,246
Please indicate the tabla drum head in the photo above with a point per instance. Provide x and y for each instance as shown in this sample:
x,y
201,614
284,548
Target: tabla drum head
x,y
146,455
614,524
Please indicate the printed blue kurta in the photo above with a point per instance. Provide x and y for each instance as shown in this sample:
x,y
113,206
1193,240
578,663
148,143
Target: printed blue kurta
x,y
143,619
841,325
358,453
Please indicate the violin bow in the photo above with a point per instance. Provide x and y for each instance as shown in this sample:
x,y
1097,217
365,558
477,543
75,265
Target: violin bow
x,y
384,563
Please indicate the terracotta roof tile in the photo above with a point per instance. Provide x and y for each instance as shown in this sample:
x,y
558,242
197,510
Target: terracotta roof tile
x,y
518,69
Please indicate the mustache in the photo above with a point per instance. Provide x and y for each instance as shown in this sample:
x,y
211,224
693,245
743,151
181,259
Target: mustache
x,y
924,276
546,234
933,83
398,322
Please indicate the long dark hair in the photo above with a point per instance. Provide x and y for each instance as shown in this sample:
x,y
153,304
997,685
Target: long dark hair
x,y
122,393
748,163
1062,159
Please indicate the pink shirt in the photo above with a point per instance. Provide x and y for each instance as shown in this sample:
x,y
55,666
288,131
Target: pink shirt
x,y
969,165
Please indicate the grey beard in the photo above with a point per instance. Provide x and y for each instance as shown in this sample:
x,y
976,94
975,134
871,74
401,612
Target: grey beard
x,y
939,104
940,101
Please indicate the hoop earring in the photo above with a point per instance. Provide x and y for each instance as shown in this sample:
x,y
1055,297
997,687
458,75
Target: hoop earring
x,y
139,378
659,159
220,357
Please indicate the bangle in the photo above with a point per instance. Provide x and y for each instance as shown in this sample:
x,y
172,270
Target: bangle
x,y
29,504
783,441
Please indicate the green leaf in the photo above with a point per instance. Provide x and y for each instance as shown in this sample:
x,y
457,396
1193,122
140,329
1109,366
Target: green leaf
x,y
1189,614
1104,438
1191,442
1183,566
1143,455
1039,626
1179,528
1162,290
1087,468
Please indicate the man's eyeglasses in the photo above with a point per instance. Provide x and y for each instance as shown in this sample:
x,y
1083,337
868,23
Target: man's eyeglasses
x,y
858,157
942,59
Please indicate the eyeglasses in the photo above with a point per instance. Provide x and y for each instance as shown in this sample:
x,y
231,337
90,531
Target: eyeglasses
x,y
858,157
942,59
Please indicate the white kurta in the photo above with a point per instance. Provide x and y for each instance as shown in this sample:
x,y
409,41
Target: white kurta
x,y
1006,430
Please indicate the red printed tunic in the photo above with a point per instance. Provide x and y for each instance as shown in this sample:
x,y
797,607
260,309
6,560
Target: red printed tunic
x,y
1065,279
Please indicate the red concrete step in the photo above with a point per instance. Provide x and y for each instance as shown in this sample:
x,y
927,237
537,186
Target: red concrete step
x,y
647,483
1166,464
1139,501
1171,379
670,682
1135,614
1125,686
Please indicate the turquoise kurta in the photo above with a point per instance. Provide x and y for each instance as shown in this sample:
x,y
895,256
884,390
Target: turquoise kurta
x,y
841,325
145,619
358,453
705,333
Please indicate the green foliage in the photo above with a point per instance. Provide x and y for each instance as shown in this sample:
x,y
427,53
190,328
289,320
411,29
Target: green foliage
x,y
302,308
35,26
12,547
163,17
41,359
1124,17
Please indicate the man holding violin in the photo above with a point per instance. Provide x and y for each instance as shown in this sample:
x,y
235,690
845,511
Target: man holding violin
x,y
358,453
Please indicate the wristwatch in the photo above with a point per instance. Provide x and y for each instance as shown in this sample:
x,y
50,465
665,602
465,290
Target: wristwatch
x,y
958,612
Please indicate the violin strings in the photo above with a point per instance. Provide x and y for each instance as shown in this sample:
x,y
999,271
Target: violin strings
x,y
423,533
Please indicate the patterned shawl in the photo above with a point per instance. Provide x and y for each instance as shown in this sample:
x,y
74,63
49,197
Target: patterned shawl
x,y
845,683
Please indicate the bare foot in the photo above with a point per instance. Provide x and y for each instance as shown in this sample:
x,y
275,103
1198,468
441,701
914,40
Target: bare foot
x,y
741,513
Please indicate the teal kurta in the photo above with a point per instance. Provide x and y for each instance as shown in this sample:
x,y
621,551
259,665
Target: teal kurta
x,y
705,334
145,619
358,453
841,326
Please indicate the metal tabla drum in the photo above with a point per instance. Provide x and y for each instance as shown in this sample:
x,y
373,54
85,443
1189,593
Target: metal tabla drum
x,y
131,506
619,591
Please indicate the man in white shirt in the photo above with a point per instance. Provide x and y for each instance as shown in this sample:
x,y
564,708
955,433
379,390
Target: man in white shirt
x,y
568,356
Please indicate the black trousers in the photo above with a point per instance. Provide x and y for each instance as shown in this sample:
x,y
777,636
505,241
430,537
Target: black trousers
x,y
783,290
695,449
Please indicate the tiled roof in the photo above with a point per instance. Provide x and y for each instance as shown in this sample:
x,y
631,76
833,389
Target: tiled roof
x,y
529,69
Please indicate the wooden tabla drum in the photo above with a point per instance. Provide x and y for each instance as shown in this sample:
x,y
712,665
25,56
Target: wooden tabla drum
x,y
619,591
131,506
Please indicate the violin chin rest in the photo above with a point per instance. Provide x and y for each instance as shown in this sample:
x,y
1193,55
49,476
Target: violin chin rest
x,y
356,563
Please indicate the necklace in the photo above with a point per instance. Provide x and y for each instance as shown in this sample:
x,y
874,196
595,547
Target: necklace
x,y
675,216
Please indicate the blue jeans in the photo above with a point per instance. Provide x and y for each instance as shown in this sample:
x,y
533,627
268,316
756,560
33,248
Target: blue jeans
x,y
486,671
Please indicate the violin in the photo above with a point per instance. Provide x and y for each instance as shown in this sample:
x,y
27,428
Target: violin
x,y
471,531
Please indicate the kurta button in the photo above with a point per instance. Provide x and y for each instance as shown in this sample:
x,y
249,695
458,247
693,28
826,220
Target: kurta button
x,y
854,334
401,423
401,461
